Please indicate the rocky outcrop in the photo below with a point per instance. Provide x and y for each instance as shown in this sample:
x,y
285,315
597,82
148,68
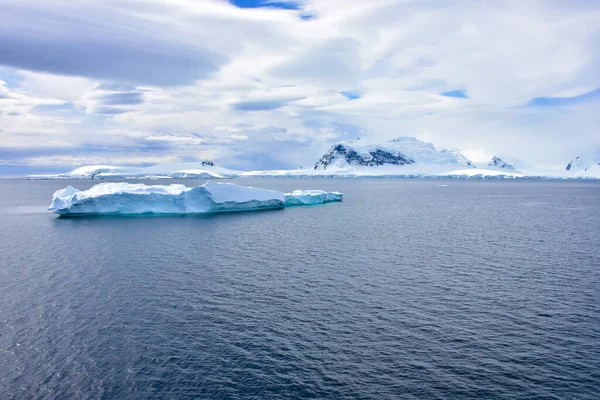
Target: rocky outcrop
x,y
584,162
497,162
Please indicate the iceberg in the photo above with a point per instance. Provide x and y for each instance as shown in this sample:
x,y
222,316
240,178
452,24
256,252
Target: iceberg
x,y
126,198
311,197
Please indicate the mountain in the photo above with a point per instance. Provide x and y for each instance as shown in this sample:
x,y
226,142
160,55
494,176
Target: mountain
x,y
498,163
403,157
584,162
402,151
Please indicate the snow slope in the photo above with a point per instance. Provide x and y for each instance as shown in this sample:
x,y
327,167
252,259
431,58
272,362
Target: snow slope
x,y
584,162
126,198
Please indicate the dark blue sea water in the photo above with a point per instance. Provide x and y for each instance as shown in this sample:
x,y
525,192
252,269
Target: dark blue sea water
x,y
407,289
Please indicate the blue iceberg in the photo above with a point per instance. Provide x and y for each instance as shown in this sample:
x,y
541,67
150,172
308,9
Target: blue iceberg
x,y
126,198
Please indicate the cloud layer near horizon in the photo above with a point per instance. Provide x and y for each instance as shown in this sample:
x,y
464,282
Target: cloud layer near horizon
x,y
132,82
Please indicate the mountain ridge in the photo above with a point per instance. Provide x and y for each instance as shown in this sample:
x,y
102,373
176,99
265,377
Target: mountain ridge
x,y
400,151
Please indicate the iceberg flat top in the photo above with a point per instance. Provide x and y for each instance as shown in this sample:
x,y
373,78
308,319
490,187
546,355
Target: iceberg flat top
x,y
126,198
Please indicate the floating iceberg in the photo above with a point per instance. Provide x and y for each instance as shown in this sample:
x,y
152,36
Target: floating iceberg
x,y
126,198
309,197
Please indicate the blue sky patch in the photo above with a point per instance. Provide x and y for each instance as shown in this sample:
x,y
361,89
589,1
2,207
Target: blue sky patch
x,y
564,101
12,80
285,5
351,95
461,94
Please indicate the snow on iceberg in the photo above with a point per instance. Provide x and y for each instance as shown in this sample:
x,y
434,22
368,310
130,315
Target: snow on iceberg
x,y
126,198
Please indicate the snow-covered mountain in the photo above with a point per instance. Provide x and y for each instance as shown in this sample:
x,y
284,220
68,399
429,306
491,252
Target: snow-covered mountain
x,y
585,165
404,157
498,163
200,169
402,151
584,162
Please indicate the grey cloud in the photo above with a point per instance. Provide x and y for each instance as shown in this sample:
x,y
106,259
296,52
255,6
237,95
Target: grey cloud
x,y
86,40
17,154
127,98
261,105
115,86
110,110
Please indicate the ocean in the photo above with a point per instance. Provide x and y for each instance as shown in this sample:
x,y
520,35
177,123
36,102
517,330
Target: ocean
x,y
409,289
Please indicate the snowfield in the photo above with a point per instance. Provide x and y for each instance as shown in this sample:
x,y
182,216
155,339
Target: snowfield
x,y
126,198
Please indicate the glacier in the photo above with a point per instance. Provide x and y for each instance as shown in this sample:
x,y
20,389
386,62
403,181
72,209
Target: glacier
x,y
126,198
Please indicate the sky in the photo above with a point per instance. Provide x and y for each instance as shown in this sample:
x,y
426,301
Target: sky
x,y
261,85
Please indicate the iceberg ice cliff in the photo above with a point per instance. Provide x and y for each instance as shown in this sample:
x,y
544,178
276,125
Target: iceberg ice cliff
x,y
126,198
309,197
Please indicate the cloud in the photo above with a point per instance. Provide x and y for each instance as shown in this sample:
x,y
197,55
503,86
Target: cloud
x,y
106,44
122,98
110,110
254,82
261,105
335,61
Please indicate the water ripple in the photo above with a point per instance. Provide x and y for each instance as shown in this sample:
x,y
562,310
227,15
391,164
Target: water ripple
x,y
481,290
